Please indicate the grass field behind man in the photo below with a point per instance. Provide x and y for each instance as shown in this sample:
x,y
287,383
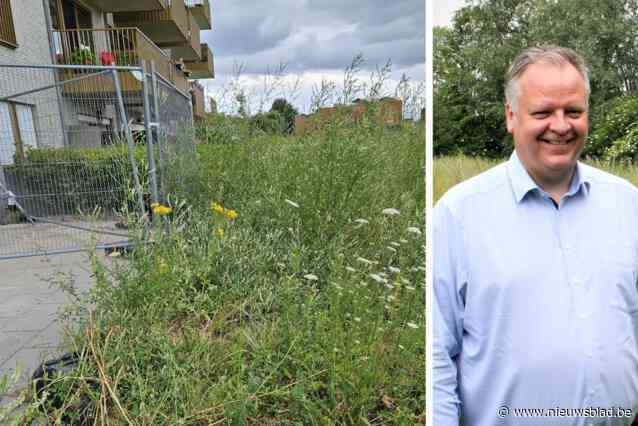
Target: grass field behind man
x,y
448,171
288,289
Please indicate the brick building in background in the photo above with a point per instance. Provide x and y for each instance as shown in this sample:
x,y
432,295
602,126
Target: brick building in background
x,y
387,110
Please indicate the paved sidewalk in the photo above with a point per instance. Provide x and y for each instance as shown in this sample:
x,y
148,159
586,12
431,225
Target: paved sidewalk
x,y
29,304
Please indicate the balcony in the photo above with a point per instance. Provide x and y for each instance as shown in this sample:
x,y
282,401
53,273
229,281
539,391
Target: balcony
x,y
205,68
129,5
179,79
189,50
166,27
197,93
201,11
119,46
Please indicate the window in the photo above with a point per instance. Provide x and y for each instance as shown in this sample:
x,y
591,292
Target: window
x,y
7,30
17,130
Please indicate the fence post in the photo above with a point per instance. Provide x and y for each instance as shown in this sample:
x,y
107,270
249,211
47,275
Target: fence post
x,y
149,137
129,140
156,120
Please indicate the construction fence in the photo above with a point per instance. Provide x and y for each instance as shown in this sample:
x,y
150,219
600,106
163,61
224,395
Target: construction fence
x,y
83,149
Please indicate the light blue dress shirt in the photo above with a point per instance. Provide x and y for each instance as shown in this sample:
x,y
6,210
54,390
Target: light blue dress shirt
x,y
535,305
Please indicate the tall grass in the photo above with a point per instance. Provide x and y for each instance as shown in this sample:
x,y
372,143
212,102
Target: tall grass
x,y
307,308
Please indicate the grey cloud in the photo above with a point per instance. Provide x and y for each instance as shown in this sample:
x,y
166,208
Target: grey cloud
x,y
259,32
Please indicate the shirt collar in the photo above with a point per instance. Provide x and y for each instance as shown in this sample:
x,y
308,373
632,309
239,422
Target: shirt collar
x,y
522,183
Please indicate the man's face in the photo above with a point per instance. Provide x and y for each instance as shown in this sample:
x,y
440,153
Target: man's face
x,y
550,125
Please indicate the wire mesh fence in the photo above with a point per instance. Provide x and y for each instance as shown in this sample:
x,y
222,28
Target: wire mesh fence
x,y
78,146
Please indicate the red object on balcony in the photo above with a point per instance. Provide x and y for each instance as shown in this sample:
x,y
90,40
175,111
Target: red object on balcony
x,y
107,58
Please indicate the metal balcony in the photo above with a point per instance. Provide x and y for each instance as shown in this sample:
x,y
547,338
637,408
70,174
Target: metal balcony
x,y
190,50
113,46
166,27
129,5
201,11
204,68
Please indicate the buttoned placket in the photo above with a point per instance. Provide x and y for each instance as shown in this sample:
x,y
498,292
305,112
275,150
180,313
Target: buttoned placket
x,y
579,290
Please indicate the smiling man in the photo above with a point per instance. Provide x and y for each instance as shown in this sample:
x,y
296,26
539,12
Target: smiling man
x,y
535,270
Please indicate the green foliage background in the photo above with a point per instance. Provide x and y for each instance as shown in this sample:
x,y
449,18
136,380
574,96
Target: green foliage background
x,y
471,58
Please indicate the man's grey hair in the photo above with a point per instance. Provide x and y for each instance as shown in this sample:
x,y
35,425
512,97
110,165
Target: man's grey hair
x,y
554,55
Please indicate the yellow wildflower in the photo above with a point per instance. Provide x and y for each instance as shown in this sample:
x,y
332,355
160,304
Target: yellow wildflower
x,y
219,232
216,207
162,210
231,214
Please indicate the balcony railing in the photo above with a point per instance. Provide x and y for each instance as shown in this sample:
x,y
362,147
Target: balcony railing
x,y
201,11
130,5
116,46
205,68
165,27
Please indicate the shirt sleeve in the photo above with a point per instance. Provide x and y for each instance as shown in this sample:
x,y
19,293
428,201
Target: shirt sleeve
x,y
448,307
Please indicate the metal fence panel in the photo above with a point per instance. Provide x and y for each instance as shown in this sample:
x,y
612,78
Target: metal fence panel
x,y
66,177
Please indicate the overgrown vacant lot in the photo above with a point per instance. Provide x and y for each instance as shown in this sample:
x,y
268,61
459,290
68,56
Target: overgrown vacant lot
x,y
287,288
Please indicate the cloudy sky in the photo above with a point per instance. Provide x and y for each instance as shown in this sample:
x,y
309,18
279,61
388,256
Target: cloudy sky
x,y
316,39
443,11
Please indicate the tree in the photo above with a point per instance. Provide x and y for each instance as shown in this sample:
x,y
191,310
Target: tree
x,y
287,111
471,58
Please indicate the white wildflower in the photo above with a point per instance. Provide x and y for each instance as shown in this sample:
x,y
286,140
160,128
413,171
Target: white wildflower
x,y
363,260
393,269
414,230
403,241
391,212
383,274
394,243
292,203
409,288
361,221
389,286
356,342
357,319
391,298
350,269
392,249
412,325
281,265
378,278
311,277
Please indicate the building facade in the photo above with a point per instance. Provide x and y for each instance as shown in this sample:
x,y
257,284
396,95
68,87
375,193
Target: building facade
x,y
94,33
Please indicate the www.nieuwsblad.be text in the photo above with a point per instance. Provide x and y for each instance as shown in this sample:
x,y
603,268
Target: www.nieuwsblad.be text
x,y
505,411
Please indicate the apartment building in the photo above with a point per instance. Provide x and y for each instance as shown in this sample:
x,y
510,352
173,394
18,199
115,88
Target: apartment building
x,y
93,32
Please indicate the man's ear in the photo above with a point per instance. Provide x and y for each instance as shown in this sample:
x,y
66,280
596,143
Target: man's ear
x,y
509,118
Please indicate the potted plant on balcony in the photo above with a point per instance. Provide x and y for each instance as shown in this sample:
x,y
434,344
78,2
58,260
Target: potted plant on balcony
x,y
83,56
